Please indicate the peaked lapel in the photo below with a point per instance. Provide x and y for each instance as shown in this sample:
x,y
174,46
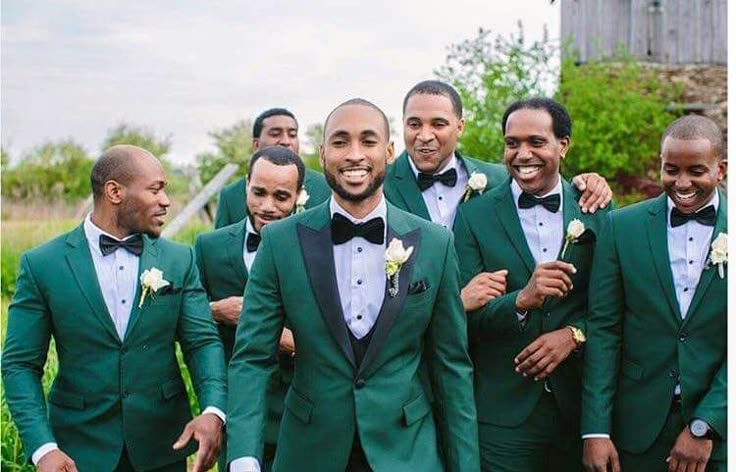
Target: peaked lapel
x,y
317,250
406,186
148,260
509,218
392,306
235,250
657,237
709,272
83,268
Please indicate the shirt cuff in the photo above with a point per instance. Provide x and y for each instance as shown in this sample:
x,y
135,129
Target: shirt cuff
x,y
42,451
245,464
217,412
597,435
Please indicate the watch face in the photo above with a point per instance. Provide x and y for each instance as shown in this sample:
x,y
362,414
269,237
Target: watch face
x,y
699,428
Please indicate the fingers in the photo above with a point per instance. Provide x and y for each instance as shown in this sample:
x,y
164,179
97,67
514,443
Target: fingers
x,y
71,466
186,435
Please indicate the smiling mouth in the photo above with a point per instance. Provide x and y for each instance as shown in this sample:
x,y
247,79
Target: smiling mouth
x,y
425,151
686,198
355,174
528,170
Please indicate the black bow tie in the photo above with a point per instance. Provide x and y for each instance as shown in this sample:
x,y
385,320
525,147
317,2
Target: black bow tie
x,y
252,242
550,202
343,230
706,216
133,245
448,178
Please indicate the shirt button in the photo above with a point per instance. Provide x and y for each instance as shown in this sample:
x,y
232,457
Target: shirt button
x,y
360,317
690,262
123,302
360,281
439,198
121,267
685,289
541,224
690,238
360,249
544,249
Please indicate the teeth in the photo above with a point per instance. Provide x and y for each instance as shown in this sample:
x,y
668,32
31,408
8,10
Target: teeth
x,y
356,173
685,196
526,170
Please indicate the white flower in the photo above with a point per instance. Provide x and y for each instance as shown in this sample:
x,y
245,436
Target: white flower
x,y
476,183
301,200
719,252
151,281
574,230
396,255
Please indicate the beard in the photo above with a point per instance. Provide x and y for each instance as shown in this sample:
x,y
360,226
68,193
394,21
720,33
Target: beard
x,y
372,188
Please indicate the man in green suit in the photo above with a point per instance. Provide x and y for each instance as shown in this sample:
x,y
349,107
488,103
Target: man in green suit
x,y
360,315
655,368
524,341
225,256
273,127
115,298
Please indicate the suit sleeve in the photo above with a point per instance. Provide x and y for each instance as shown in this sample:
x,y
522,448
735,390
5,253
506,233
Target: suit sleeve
x,y
498,315
253,362
712,408
200,342
451,372
604,324
26,347
200,260
222,214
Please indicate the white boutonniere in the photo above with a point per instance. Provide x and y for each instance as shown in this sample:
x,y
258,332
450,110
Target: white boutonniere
x,y
476,183
719,253
396,255
301,201
574,230
151,281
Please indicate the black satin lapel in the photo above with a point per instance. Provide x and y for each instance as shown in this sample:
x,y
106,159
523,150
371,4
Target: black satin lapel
x,y
317,251
392,306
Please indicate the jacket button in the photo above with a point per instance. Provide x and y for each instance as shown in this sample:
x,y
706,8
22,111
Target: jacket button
x,y
673,373
683,337
126,393
360,383
548,314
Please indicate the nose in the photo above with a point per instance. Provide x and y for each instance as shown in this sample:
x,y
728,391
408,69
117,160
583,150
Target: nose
x,y
524,151
164,199
267,205
425,134
682,181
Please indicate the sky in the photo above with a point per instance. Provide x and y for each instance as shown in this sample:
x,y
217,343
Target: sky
x,y
77,68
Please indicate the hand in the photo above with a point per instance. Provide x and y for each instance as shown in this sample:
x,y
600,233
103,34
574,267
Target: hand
x,y
548,279
596,191
56,461
690,453
598,454
483,288
207,431
544,354
227,311
286,343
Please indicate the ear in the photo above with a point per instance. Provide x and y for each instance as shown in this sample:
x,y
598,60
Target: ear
x,y
114,192
322,155
722,169
256,144
390,152
460,127
565,146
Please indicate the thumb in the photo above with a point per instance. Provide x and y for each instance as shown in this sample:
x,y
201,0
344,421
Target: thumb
x,y
186,435
579,182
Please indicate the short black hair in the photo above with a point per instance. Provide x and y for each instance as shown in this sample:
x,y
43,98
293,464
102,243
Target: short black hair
x,y
258,124
365,103
115,163
435,87
692,127
561,123
280,156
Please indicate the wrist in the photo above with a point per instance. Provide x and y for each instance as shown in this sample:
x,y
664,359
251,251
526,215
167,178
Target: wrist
x,y
577,335
700,429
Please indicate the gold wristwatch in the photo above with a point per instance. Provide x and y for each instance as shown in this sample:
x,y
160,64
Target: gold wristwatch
x,y
577,335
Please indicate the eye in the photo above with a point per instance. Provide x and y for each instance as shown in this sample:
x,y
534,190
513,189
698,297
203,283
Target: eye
x,y
510,143
412,125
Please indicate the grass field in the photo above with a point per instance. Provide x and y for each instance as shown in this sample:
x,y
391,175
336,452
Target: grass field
x,y
17,237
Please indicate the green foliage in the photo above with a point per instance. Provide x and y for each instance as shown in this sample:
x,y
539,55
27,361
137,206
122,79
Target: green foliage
x,y
491,73
233,144
51,171
619,113
140,136
315,133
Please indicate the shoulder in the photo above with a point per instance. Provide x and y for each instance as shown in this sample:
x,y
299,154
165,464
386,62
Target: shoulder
x,y
217,236
393,168
170,248
635,212
56,246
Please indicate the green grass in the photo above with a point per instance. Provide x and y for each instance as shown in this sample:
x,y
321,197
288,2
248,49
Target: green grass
x,y
17,237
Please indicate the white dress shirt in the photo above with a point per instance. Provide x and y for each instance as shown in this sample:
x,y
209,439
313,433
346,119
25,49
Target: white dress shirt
x,y
361,283
248,257
117,276
442,201
542,228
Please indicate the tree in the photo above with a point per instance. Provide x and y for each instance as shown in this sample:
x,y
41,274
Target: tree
x,y
233,144
490,73
315,133
140,136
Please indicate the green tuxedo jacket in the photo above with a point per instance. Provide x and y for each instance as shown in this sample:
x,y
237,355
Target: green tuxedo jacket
x,y
489,237
232,207
108,392
401,189
638,345
223,274
331,397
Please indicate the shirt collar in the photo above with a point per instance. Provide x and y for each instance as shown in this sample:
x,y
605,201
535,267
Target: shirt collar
x,y
249,227
92,232
516,190
714,200
452,163
379,211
